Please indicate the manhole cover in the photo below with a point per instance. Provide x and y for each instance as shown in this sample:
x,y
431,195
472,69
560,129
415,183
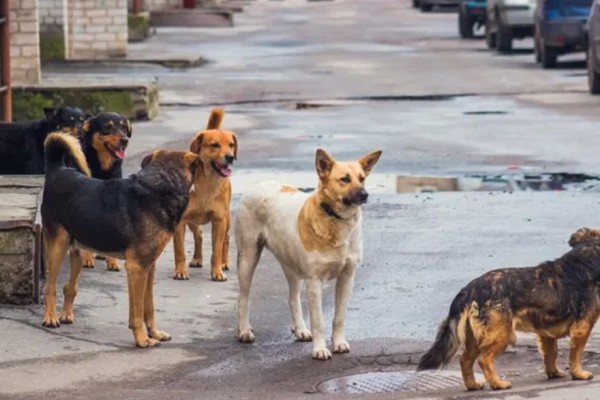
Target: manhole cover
x,y
380,382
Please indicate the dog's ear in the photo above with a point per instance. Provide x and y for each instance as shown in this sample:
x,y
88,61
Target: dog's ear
x,y
129,128
194,161
196,144
86,126
49,112
235,146
147,159
368,162
585,235
324,163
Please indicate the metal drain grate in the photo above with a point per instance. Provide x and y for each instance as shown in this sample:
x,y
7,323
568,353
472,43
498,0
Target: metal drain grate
x,y
381,382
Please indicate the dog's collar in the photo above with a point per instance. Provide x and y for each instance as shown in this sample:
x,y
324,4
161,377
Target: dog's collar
x,y
330,211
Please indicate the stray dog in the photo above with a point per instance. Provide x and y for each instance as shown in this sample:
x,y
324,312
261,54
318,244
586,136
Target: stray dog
x,y
217,148
22,143
104,139
555,299
132,218
315,239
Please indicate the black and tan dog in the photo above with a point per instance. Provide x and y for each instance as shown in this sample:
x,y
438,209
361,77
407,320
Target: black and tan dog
x,y
132,218
104,139
22,143
555,299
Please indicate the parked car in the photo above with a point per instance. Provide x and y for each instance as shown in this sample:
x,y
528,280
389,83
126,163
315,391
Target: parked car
x,y
471,15
593,55
559,29
427,5
508,20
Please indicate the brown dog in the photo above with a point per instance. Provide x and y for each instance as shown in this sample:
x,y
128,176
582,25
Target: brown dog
x,y
555,299
218,150
132,219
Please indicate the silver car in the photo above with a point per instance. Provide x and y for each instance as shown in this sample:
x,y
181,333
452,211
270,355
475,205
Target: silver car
x,y
508,20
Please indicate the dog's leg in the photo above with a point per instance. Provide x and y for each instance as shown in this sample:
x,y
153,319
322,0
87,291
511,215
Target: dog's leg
x,y
56,249
197,232
343,290
579,334
299,328
153,332
219,232
137,279
549,349
112,264
225,258
314,289
70,288
181,270
467,359
247,261
87,258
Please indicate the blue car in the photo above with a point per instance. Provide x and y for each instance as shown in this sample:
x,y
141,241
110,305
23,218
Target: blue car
x,y
560,29
471,15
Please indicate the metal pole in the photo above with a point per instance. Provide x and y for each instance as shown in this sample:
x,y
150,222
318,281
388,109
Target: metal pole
x,y
137,6
5,88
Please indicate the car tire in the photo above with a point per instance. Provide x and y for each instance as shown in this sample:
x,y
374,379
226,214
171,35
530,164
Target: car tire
x,y
465,25
536,47
549,56
593,76
490,38
415,3
425,7
503,37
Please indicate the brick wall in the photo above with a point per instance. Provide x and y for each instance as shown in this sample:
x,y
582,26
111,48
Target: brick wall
x,y
52,14
157,5
52,29
25,42
96,29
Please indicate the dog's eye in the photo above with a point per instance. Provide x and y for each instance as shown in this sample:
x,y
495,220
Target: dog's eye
x,y
346,179
361,179
72,118
215,145
231,145
81,118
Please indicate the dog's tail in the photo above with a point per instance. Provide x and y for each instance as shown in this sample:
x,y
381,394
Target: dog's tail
x,y
215,119
451,335
60,146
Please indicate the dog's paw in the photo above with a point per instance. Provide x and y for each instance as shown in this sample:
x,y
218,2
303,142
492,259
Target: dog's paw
x,y
582,375
302,335
246,336
66,317
195,263
341,347
321,354
51,321
218,276
225,267
159,335
501,385
181,276
557,374
87,262
147,342
475,386
112,264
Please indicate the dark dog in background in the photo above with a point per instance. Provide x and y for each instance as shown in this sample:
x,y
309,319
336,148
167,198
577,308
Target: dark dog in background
x,y
104,139
555,299
132,218
22,143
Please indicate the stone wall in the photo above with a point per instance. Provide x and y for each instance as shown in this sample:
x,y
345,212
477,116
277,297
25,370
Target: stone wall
x,y
52,29
25,42
96,29
158,5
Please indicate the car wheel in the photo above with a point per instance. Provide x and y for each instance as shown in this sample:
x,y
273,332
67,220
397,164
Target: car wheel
x,y
465,25
549,56
593,76
503,37
536,47
415,3
490,38
425,7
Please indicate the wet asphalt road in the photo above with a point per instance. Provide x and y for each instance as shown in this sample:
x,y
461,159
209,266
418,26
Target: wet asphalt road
x,y
385,77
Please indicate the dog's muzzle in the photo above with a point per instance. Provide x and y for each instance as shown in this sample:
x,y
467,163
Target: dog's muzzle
x,y
358,198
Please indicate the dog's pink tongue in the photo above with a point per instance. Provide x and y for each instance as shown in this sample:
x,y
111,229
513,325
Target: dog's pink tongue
x,y
226,171
120,153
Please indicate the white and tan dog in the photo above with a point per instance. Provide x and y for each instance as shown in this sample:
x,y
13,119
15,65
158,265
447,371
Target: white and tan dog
x,y
315,238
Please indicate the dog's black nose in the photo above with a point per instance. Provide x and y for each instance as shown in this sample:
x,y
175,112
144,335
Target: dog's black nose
x,y
229,158
362,196
124,141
